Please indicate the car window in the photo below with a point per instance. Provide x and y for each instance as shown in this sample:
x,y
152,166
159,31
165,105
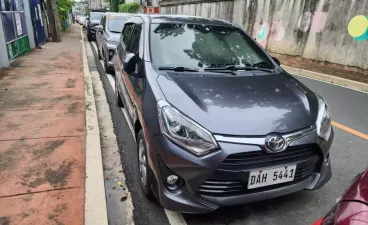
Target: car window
x,y
127,33
96,15
195,45
134,44
116,23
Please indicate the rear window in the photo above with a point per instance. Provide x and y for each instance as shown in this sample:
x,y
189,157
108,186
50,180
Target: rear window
x,y
116,23
96,15
202,46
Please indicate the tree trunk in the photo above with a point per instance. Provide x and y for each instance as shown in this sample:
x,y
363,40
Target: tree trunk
x,y
54,23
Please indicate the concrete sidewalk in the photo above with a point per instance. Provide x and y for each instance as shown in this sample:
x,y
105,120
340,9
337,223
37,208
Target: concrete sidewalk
x,y
336,70
42,135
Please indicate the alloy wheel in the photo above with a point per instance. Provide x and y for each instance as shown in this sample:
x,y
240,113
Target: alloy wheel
x,y
142,163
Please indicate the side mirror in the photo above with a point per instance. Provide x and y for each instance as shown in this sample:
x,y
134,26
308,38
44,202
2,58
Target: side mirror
x,y
99,27
276,61
130,63
87,17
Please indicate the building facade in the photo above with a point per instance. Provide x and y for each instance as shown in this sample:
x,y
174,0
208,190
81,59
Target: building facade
x,y
97,4
16,30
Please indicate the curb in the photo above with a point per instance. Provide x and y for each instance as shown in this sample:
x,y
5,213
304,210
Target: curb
x,y
327,78
95,209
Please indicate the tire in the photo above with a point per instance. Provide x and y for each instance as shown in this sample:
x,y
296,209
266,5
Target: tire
x,y
99,54
119,102
89,36
147,181
108,69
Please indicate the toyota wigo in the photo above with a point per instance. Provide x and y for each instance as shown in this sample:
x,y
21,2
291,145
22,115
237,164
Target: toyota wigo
x,y
216,120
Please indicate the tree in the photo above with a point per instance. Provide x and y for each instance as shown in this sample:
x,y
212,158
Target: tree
x,y
54,23
64,6
114,5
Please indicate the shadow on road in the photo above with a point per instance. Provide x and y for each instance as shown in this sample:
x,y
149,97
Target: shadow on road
x,y
251,213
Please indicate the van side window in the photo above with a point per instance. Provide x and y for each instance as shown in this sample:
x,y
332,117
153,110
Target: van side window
x,y
127,33
134,44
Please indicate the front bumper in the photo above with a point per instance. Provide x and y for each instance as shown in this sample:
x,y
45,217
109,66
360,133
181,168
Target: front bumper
x,y
205,176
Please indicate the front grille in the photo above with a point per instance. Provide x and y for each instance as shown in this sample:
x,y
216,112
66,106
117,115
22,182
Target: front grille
x,y
231,177
258,159
221,188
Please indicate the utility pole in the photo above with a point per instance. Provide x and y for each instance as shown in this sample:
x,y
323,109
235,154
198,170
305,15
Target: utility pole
x,y
54,23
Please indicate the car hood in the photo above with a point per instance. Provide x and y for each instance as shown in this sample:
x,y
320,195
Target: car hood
x,y
358,190
258,104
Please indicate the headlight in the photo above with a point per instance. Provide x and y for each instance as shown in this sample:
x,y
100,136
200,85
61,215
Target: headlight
x,y
184,131
323,119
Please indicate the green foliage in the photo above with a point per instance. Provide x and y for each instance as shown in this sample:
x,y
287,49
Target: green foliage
x,y
88,10
121,2
129,7
114,5
63,7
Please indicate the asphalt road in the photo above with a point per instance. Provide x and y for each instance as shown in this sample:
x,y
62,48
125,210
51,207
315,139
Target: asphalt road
x,y
349,156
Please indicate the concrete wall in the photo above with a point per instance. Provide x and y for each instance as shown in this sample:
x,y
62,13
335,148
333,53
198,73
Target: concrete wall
x,y
97,4
314,29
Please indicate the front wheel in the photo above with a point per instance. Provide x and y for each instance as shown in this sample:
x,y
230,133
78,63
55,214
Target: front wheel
x,y
119,102
108,69
145,172
99,53
89,36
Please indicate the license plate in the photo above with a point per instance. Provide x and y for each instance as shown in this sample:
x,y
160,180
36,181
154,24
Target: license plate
x,y
271,176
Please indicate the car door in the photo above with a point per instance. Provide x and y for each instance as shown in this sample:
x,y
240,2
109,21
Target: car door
x,y
131,86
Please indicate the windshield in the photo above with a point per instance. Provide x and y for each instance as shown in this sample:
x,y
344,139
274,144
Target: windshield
x,y
203,46
116,23
96,15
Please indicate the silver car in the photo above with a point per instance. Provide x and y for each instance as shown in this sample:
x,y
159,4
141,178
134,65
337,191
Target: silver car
x,y
107,37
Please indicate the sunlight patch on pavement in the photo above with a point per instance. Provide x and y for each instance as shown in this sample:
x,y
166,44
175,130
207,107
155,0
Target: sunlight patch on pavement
x,y
175,218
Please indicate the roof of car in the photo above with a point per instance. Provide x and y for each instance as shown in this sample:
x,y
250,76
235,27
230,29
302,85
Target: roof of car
x,y
162,18
118,14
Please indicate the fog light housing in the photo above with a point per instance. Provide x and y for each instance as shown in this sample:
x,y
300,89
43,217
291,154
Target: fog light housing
x,y
173,182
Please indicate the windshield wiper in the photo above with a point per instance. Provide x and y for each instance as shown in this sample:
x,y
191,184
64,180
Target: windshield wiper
x,y
116,32
178,69
235,68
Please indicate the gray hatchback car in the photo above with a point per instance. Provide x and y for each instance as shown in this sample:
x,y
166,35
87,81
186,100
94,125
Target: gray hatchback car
x,y
217,121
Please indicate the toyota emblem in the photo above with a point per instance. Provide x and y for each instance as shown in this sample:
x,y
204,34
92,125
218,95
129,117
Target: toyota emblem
x,y
275,143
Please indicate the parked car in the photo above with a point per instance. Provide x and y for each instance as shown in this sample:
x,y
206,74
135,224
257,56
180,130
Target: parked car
x,y
85,22
216,120
81,20
107,37
94,20
352,207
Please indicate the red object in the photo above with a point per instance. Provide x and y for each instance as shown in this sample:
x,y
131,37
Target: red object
x,y
352,208
318,222
151,10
